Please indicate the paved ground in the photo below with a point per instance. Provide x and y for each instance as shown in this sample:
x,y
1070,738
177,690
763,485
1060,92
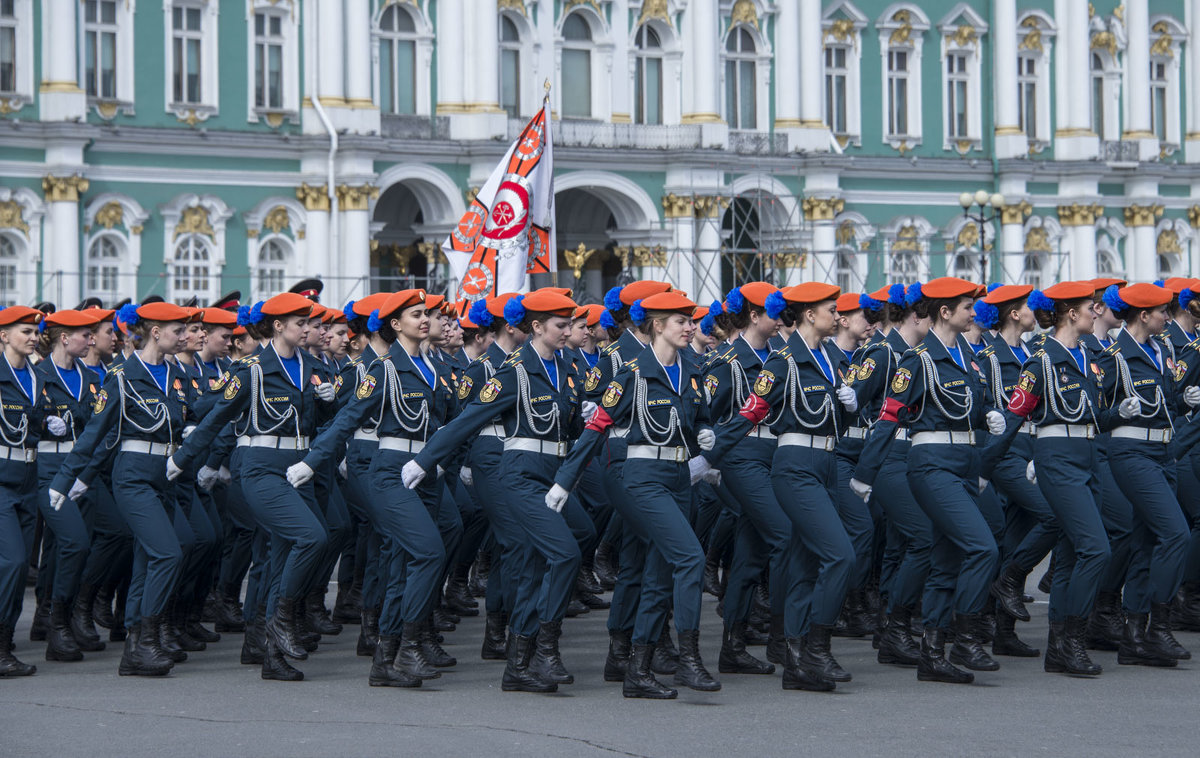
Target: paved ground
x,y
212,706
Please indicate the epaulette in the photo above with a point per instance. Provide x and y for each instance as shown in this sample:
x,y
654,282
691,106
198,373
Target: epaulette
x,y
514,357
987,351
117,368
919,349
632,364
1038,354
1194,344
1112,349
353,361
609,348
784,352
249,360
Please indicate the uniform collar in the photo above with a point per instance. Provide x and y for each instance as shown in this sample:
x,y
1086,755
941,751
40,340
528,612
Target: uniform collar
x,y
1059,354
1133,350
650,367
10,373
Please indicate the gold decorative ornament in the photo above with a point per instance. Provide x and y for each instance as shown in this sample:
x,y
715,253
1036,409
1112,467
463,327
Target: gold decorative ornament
x,y
1193,214
11,105
432,252
252,233
277,219
908,239
791,260
676,206
1119,12
709,206
901,35
470,193
622,252
194,220
1015,214
112,214
1079,215
647,256
356,197
314,197
845,233
572,4
963,146
968,236
1032,40
1162,45
577,258
137,229
64,189
654,9
963,36
1037,240
1168,242
1105,41
274,119
12,216
106,110
517,6
744,12
842,30
374,246
822,208
1142,215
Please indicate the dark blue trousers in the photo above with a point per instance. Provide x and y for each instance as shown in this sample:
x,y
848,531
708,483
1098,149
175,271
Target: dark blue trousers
x,y
146,501
909,533
18,488
763,531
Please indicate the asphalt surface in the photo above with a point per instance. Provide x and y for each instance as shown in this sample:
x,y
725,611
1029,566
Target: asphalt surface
x,y
212,706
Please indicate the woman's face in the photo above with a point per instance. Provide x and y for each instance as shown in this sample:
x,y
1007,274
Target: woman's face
x,y
1155,320
293,330
22,338
823,317
435,328
579,333
553,332
764,325
856,325
413,323
193,337
339,340
317,332
218,340
961,315
78,341
170,338
675,330
1025,317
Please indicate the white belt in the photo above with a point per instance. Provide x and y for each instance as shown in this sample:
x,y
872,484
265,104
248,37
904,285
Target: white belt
x,y
1139,433
148,448
492,430
401,445
1062,431
366,436
19,454
656,453
901,435
797,439
46,446
534,445
1026,428
943,438
856,432
273,442
762,432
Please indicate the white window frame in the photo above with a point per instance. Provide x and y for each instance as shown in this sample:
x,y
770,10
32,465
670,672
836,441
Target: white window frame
x,y
207,294
1035,40
523,58
852,22
953,44
601,63
761,60
290,39
27,239
1162,26
115,263
640,55
17,246
1110,76
277,283
122,28
423,39
218,214
294,234
128,234
209,104
910,38
22,25
921,256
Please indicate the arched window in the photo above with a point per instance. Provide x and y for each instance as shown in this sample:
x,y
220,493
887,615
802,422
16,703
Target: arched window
x,y
510,67
847,272
397,61
1108,265
740,89
577,67
271,270
905,267
104,258
191,270
1035,270
1166,266
965,265
8,271
648,77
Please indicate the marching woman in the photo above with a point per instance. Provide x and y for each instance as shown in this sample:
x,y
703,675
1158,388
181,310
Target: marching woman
x,y
68,394
538,402
1142,400
938,394
138,420
799,395
657,398
278,401
20,422
1059,391
401,399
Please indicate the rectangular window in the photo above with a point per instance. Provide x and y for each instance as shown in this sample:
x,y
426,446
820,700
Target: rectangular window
x,y
956,96
186,40
577,81
1158,99
8,47
397,66
268,61
100,48
510,81
747,96
1027,81
1097,96
898,92
836,76
648,98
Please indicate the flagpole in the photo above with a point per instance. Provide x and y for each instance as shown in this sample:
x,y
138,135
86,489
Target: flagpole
x,y
554,228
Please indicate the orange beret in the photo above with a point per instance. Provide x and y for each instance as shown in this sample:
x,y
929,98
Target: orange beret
x,y
495,305
1143,295
548,301
590,312
164,312
1006,293
946,287
19,314
641,290
667,301
433,301
70,319
218,317
195,315
757,292
99,314
1103,283
285,304
1178,284
812,292
364,305
881,294
560,290
398,301
701,312
848,302
239,331
1069,291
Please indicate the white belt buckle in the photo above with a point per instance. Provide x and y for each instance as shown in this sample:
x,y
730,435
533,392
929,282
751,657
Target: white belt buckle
x,y
30,455
561,449
830,442
681,455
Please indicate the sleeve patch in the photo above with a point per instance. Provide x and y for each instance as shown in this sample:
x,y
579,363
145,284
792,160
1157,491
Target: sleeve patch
x,y
612,395
593,379
491,390
464,387
866,369
101,401
365,388
1027,381
763,384
901,380
232,388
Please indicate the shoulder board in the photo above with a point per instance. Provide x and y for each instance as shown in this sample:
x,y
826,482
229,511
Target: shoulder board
x,y
1112,349
987,351
632,365
609,348
514,357
1194,344
353,361
117,369
1040,339
784,352
1164,334
729,355
919,349
1038,354
386,358
248,360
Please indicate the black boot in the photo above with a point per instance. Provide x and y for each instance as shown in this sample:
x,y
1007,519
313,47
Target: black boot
x,y
177,621
276,667
1133,650
735,659
431,647
586,582
318,615
1159,639
195,629
493,637
691,672
254,644
116,632
776,642
817,657
444,621
896,644
142,657
591,601
547,661
933,666
850,620
410,657
518,677
1008,590
1053,662
1106,626
368,631
712,572
40,627
457,597
617,661
281,627
1006,641
345,609
228,614
102,604
1186,617
83,626
166,639
666,657
479,573
1070,656
60,643
1047,580
639,680
383,672
796,676
308,637
9,665
968,650
575,607
604,566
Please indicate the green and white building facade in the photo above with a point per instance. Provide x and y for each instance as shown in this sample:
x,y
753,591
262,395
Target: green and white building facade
x,y
190,147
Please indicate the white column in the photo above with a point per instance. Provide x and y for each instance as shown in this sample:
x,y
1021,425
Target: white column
x,y
704,70
708,249
1075,139
813,135
60,263
314,260
60,97
788,70
1010,140
620,94
1137,81
354,268
1193,94
365,116
1141,262
1083,251
450,54
331,74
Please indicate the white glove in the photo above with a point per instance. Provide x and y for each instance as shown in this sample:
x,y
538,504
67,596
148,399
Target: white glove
x,y
1130,407
588,409
1031,473
861,489
1191,396
412,474
713,477
845,393
224,476
995,422
697,468
466,477
556,498
326,392
173,470
299,473
983,484
206,477
187,430
57,427
57,499
78,490
343,472
707,438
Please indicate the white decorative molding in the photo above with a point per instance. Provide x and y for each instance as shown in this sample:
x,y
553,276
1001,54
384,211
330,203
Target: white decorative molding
x,y
902,27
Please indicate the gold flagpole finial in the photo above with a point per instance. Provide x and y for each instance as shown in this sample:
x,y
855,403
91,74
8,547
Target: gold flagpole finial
x,y
547,86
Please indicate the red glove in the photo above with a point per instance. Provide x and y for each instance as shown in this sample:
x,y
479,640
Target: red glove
x,y
599,422
755,409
